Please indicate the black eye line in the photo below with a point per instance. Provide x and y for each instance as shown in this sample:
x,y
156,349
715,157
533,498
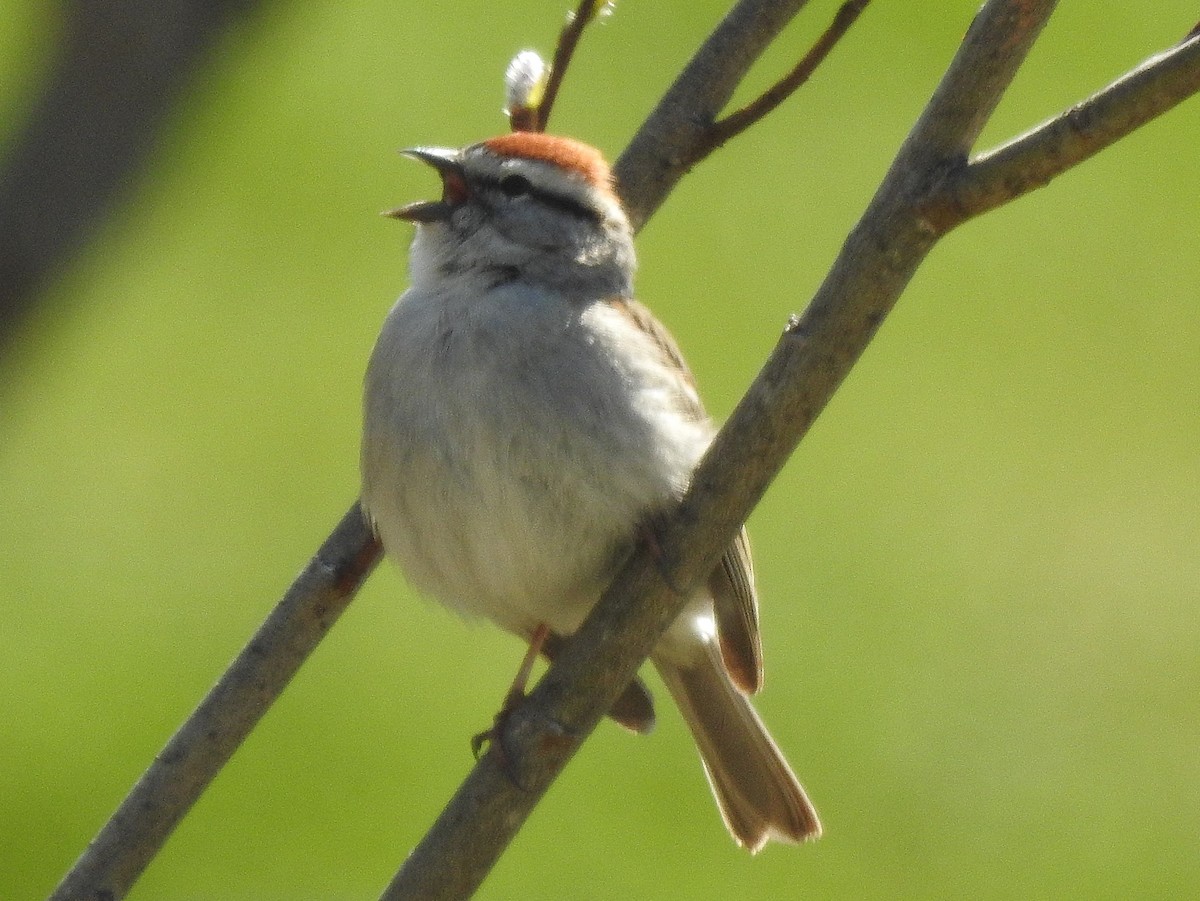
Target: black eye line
x,y
515,185
558,201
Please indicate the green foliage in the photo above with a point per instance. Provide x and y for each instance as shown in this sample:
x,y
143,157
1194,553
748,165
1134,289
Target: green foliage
x,y
980,572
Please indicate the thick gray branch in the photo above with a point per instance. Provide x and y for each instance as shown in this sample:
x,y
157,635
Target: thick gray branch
x,y
117,71
808,364
1036,157
128,842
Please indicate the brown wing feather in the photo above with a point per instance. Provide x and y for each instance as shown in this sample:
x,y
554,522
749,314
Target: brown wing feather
x,y
688,396
736,605
633,709
732,583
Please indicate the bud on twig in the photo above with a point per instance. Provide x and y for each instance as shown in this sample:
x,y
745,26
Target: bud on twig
x,y
524,87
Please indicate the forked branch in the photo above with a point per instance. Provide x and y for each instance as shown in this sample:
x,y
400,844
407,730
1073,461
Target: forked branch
x,y
1031,160
736,122
815,353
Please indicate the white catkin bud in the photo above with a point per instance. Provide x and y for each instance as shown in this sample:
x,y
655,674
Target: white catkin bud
x,y
599,11
524,82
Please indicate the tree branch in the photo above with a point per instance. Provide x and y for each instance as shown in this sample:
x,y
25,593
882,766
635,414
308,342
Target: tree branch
x,y
178,776
667,145
737,122
1038,156
812,357
125,846
118,68
810,361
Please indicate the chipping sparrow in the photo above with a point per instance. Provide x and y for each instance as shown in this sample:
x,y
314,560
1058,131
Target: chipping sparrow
x,y
524,415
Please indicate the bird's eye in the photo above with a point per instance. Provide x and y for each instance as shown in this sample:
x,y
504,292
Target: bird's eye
x,y
515,185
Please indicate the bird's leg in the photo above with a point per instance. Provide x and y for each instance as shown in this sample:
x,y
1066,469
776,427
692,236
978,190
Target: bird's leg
x,y
515,695
648,533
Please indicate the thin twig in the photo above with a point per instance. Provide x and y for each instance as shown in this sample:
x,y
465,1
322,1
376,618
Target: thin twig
x,y
568,39
206,741
664,148
736,122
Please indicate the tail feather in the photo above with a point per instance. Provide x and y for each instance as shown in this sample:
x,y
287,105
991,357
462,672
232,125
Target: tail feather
x,y
758,795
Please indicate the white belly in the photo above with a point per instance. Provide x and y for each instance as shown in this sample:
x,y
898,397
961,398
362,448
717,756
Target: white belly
x,y
510,452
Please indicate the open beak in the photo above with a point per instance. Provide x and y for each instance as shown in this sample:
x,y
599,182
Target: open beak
x,y
454,186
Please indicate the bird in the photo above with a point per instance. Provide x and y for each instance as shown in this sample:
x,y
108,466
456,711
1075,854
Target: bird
x,y
525,418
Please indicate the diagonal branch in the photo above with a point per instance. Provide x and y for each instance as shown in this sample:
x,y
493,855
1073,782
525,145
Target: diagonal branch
x,y
158,802
195,754
813,356
118,69
1038,156
810,361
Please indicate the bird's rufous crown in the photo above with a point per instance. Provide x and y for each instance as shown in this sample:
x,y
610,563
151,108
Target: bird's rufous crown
x,y
570,155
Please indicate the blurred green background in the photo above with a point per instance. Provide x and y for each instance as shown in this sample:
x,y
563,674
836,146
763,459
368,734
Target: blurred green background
x,y
980,572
